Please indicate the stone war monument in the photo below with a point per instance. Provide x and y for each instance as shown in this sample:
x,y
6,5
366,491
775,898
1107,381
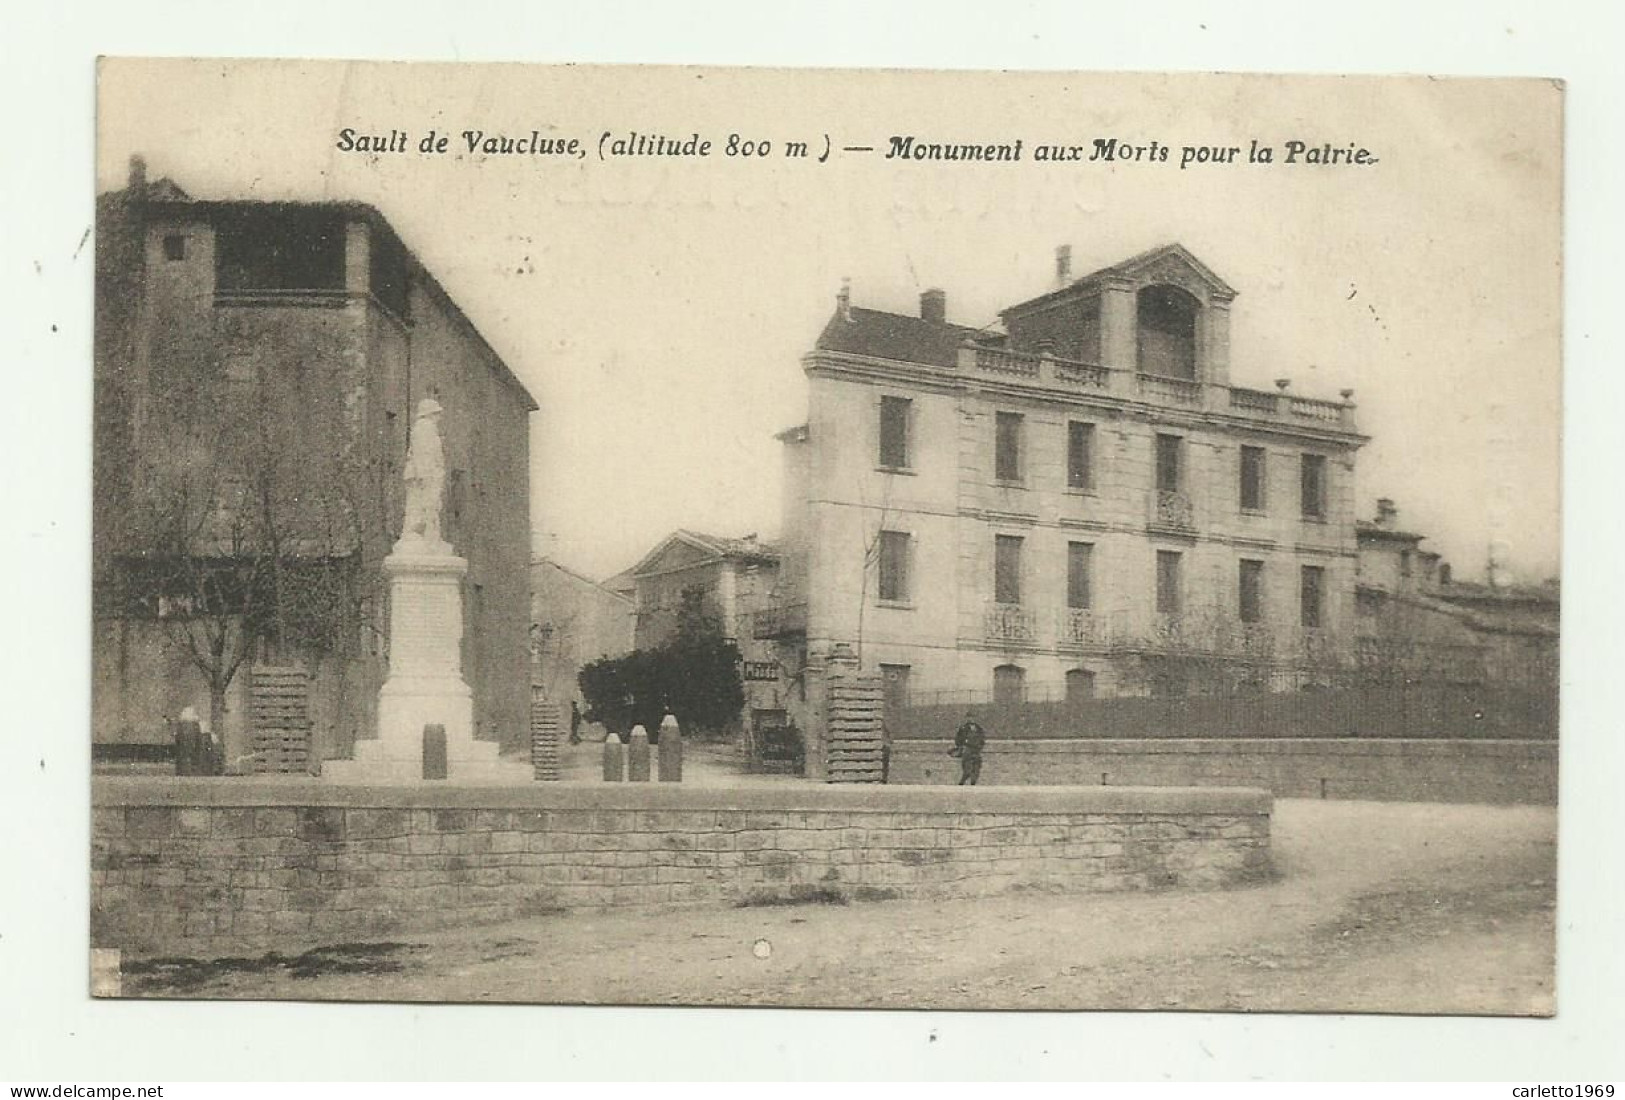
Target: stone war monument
x,y
425,686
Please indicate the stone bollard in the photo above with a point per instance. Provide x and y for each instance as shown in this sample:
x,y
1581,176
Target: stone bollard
x,y
670,750
614,759
637,756
191,746
434,751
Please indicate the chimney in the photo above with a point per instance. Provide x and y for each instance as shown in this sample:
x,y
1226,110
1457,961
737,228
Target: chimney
x,y
1063,265
934,307
843,300
138,175
1387,513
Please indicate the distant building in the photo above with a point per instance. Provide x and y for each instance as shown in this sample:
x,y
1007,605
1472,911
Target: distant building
x,y
1416,621
257,365
1080,504
729,581
574,621
727,577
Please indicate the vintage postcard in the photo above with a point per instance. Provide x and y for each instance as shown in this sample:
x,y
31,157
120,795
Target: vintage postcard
x,y
931,540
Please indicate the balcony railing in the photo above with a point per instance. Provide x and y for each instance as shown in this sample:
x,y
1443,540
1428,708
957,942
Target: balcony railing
x,y
1316,645
779,621
1086,375
1256,401
1177,391
1049,370
1308,408
1009,623
1173,509
999,361
1079,627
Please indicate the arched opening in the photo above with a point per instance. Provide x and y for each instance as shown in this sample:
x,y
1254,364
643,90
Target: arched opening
x,y
1166,331
1008,685
1080,685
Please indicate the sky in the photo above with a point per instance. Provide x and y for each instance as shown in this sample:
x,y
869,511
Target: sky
x,y
658,307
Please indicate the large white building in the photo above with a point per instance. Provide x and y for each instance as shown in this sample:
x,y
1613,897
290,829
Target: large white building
x,y
1082,503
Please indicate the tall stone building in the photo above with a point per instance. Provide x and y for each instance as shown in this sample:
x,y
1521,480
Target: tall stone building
x,y
257,365
1080,504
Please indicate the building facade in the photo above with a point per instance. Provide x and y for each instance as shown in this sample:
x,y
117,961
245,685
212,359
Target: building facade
x,y
574,621
1081,504
257,365
1415,622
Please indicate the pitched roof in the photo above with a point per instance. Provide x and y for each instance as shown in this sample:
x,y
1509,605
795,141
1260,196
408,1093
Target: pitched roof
x,y
906,339
579,578
747,549
1130,268
1365,530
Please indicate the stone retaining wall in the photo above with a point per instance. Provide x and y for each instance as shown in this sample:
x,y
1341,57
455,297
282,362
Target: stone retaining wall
x,y
1381,769
224,866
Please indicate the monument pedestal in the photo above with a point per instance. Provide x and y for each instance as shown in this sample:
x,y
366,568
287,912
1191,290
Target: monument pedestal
x,y
425,684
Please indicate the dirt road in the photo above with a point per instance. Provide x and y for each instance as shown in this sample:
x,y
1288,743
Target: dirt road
x,y
1377,908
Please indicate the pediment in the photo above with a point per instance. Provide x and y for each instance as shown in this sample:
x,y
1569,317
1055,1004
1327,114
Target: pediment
x,y
1175,265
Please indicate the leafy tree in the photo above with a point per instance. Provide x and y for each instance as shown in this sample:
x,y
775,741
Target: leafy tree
x,y
695,677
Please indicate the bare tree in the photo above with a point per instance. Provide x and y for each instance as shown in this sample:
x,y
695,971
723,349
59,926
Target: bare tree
x,y
246,505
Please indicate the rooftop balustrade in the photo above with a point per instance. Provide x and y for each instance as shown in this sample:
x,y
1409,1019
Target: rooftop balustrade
x,y
1051,371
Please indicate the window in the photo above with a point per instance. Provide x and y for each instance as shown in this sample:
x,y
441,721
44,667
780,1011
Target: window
x,y
1008,685
1312,595
894,418
1252,479
1080,454
894,566
1404,563
1007,569
1168,586
1170,474
1080,685
1007,446
280,249
1314,486
1079,590
1251,609
174,247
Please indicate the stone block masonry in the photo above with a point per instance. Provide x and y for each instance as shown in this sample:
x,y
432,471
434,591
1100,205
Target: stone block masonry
x,y
1376,769
207,868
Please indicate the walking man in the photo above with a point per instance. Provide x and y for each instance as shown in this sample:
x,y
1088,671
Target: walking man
x,y
968,742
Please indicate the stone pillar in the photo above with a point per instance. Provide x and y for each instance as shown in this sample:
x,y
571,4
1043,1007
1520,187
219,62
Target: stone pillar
x,y
1215,321
637,756
840,661
671,750
1119,326
544,737
614,760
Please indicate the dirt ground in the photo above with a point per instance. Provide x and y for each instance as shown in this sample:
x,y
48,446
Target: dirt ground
x,y
1378,907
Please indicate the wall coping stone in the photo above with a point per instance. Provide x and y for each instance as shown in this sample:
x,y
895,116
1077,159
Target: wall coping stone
x,y
147,791
1239,746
